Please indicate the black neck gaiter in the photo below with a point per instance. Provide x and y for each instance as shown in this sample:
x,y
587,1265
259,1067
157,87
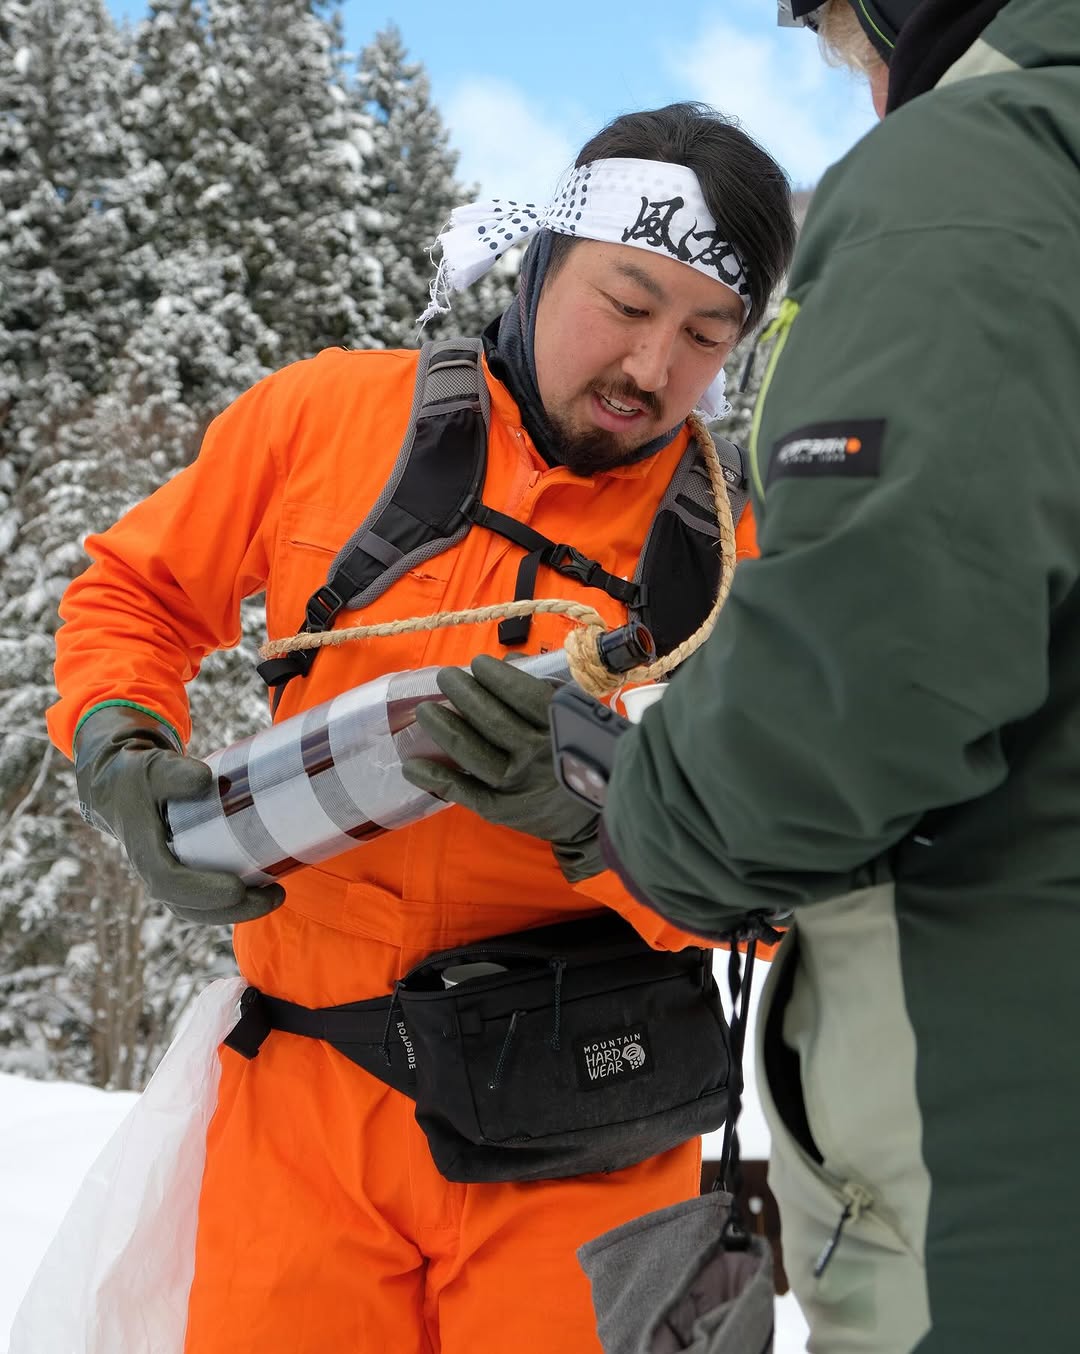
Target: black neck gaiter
x,y
508,343
937,35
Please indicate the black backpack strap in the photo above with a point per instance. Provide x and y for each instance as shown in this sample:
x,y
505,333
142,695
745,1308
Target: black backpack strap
x,y
432,499
423,507
564,559
679,565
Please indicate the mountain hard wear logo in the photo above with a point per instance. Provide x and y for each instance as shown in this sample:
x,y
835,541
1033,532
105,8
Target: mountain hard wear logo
x,y
852,448
607,1059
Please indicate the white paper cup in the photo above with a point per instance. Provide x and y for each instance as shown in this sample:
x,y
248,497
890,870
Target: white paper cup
x,y
461,973
638,699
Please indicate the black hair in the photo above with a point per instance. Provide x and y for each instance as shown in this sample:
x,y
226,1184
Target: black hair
x,y
746,191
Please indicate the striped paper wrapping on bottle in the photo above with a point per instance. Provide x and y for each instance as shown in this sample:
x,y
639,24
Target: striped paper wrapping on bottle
x,y
320,783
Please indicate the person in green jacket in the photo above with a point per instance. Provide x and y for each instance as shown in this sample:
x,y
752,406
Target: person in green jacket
x,y
882,736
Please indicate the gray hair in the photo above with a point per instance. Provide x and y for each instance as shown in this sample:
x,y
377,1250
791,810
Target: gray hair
x,y
844,40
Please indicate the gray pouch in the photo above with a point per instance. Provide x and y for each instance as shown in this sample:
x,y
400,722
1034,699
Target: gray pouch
x,y
679,1281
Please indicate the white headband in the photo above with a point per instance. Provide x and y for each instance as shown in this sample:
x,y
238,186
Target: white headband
x,y
649,204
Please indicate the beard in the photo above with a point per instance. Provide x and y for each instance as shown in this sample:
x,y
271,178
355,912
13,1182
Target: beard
x,y
591,452
594,450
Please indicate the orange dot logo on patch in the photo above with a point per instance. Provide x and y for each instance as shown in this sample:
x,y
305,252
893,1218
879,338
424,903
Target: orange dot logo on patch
x,y
851,449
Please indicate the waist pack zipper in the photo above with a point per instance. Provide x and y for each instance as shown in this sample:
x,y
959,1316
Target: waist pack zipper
x,y
504,1052
856,1202
557,964
447,957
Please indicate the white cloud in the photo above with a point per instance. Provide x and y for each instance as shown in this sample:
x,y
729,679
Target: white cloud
x,y
804,112
510,147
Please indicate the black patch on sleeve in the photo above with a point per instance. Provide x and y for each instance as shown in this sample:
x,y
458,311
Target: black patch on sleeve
x,y
850,448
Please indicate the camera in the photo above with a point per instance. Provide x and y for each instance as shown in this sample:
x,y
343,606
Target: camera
x,y
584,732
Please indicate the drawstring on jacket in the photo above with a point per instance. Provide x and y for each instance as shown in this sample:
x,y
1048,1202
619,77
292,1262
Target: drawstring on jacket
x,y
856,1201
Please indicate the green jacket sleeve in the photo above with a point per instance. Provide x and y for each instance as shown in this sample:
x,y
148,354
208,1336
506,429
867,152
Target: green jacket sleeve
x,y
867,667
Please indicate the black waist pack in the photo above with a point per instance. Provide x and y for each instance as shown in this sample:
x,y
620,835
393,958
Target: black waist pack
x,y
584,1050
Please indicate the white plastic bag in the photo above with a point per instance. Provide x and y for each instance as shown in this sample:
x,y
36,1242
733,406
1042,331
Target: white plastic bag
x,y
116,1276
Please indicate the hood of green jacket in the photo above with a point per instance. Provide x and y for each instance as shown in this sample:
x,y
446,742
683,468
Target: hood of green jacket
x,y
1030,33
946,40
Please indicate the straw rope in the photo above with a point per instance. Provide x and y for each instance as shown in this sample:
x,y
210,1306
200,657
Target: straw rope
x,y
581,647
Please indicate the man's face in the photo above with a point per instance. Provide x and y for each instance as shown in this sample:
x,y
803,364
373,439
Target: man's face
x,y
626,343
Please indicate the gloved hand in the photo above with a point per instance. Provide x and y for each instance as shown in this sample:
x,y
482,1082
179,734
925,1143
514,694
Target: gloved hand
x,y
498,734
126,767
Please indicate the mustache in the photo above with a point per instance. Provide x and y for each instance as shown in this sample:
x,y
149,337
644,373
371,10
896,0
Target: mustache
x,y
626,392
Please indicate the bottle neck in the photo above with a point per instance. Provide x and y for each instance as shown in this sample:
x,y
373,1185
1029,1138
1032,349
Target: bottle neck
x,y
555,665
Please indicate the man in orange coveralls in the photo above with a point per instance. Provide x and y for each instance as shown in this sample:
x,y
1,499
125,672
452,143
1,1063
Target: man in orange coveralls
x,y
324,1226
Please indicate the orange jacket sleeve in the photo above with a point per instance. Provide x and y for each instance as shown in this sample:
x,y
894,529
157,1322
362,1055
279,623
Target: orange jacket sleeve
x,y
746,546
165,584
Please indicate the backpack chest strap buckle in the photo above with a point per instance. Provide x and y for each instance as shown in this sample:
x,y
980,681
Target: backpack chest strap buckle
x,y
573,564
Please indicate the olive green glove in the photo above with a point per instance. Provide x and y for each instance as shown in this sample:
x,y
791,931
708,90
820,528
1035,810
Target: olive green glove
x,y
498,735
126,767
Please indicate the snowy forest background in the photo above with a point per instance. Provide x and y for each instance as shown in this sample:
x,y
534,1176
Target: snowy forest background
x,y
184,207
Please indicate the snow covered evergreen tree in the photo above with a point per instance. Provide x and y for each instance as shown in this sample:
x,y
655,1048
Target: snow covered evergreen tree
x,y
292,171
175,220
107,384
64,315
411,172
93,974
199,341
413,191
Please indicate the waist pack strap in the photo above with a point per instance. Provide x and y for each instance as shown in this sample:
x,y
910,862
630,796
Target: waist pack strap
x,y
369,1033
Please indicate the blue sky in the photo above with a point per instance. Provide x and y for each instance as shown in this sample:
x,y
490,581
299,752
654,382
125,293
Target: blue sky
x,y
522,87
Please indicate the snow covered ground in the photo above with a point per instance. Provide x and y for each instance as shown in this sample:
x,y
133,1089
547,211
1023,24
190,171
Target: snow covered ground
x,y
50,1133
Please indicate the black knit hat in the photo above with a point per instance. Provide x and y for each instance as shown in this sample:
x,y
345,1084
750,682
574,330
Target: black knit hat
x,y
882,19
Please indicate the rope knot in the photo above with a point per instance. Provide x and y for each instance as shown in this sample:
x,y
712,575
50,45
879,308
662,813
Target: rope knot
x,y
582,649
